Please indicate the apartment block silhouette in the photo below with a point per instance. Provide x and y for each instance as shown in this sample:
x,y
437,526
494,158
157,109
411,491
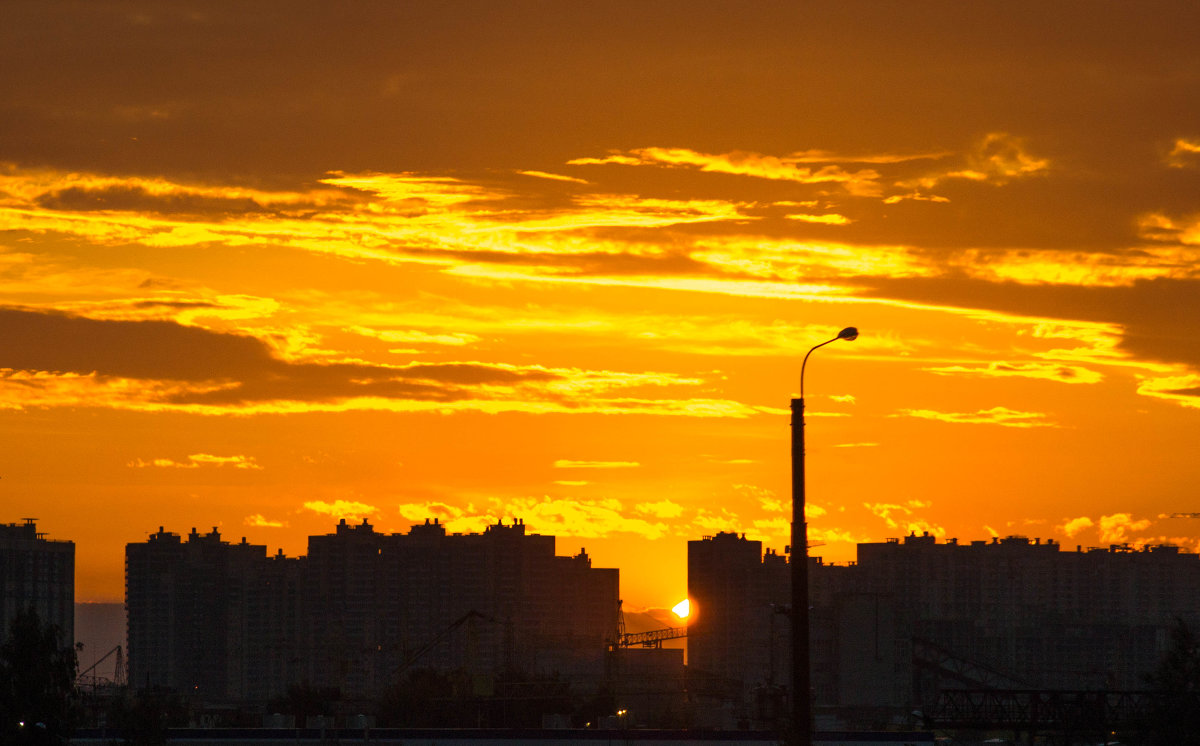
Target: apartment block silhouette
x,y
913,617
36,573
227,622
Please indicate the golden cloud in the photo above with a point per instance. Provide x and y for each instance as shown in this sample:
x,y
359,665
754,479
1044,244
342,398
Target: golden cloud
x,y
767,499
995,416
997,159
897,517
818,535
428,511
1177,230
1185,152
347,509
824,219
563,463
661,509
1114,528
863,182
553,177
1075,525
770,530
1118,269
707,522
259,521
196,460
1043,371
546,515
414,336
78,361
1183,388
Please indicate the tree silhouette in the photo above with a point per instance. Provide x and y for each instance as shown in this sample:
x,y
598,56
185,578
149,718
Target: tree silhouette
x,y
1175,719
37,683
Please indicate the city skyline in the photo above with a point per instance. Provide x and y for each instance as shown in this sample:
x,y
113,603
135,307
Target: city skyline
x,y
269,267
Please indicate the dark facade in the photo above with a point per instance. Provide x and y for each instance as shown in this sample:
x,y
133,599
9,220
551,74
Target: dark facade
x,y
36,573
913,617
227,622
1032,615
738,631
206,617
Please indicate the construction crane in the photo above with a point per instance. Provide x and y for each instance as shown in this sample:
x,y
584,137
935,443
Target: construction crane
x,y
414,656
652,639
95,680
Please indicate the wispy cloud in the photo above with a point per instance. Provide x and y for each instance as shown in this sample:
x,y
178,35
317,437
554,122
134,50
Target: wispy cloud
x,y
900,516
1182,389
998,158
710,522
259,521
1164,228
1045,371
1184,153
553,177
564,463
660,509
995,416
196,460
164,366
545,515
743,163
830,218
416,336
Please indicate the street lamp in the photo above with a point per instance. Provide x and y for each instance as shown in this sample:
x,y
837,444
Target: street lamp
x,y
801,698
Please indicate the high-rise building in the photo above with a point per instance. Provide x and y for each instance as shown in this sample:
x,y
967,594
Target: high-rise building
x,y
36,573
229,623
913,617
738,629
205,617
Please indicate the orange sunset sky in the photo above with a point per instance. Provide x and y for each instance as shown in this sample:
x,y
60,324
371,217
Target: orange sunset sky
x,y
265,265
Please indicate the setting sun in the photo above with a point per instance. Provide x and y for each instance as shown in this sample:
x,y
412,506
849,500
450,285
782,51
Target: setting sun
x,y
682,609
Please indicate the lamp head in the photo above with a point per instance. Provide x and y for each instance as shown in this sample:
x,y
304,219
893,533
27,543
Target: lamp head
x,y
849,334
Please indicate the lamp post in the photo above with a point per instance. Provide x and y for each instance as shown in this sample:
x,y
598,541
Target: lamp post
x,y
801,698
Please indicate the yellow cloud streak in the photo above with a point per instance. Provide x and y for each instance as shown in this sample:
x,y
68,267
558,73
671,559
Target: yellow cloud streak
x,y
825,219
864,182
197,460
1181,389
348,509
546,515
1184,153
36,390
1044,371
995,416
258,520
443,221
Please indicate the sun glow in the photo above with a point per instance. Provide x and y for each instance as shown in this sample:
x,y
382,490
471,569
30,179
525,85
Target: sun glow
x,y
682,609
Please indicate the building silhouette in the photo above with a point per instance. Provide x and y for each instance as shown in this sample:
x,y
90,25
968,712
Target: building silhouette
x,y
228,623
37,573
914,617
738,633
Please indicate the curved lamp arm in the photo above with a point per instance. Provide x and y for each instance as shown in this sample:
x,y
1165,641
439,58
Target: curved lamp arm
x,y
849,334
